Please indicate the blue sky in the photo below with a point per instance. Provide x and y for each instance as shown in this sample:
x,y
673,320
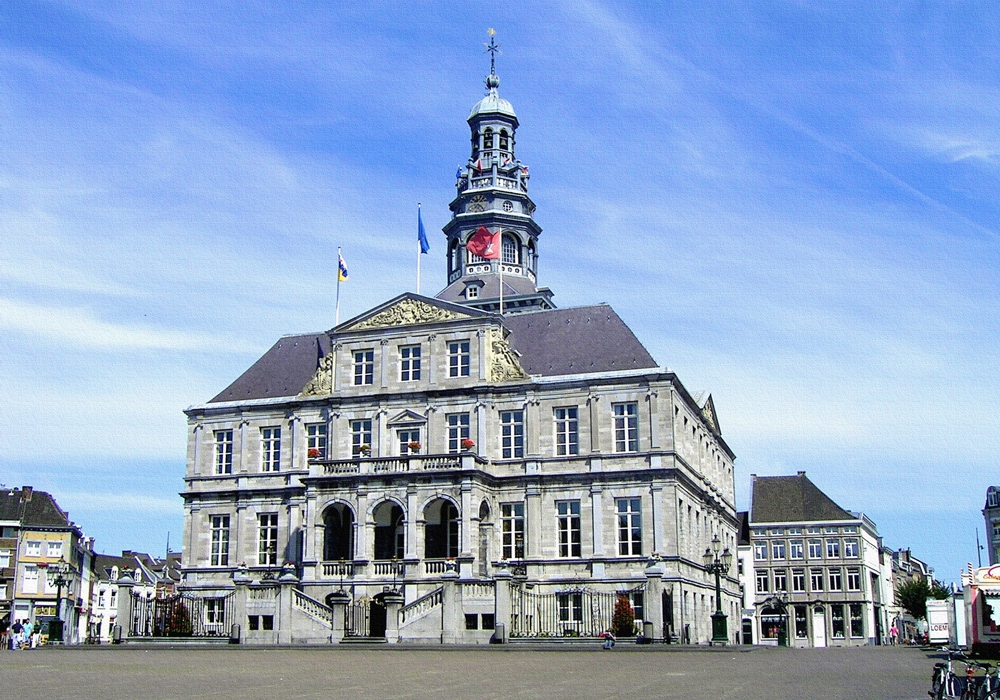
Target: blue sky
x,y
793,205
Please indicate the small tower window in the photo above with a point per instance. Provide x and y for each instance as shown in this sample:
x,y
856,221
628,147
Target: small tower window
x,y
508,205
488,139
504,141
472,292
510,250
456,261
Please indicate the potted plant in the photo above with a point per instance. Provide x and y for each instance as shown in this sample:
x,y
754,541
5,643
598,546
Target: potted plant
x,y
365,450
467,444
315,453
413,446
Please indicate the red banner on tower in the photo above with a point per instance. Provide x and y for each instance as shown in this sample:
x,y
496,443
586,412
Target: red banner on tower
x,y
485,244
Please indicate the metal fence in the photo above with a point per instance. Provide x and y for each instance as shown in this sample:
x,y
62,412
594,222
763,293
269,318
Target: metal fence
x,y
181,615
570,613
357,618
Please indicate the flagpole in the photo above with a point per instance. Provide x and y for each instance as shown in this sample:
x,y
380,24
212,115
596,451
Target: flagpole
x,y
337,313
500,260
418,251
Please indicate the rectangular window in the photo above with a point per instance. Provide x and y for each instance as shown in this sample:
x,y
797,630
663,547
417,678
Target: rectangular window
x,y
364,367
795,549
4,558
763,582
836,580
851,548
270,449
458,359
409,363
815,549
778,549
780,580
567,442
489,621
33,549
831,530
223,451
816,579
458,430
857,624
361,437
53,550
801,625
626,427
30,582
569,528
854,579
777,531
512,530
636,599
760,550
850,529
629,526
812,531
267,540
471,621
833,549
837,620
316,440
795,531
267,622
570,607
253,622
409,441
512,434
220,540
215,611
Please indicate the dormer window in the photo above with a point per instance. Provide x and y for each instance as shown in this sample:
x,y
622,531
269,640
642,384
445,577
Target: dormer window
x,y
504,141
472,292
488,139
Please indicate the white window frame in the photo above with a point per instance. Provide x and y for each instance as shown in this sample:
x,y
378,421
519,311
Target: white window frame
x,y
833,549
364,367
853,579
626,416
778,550
33,548
798,580
512,434
835,578
316,438
795,549
267,539
629,516
781,580
53,549
270,449
223,451
361,434
512,530
404,436
851,550
219,552
760,550
5,555
816,581
568,525
458,430
763,581
409,363
459,357
566,423
815,549
30,576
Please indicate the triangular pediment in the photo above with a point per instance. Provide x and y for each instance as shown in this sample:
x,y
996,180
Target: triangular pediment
x,y
408,417
707,406
409,310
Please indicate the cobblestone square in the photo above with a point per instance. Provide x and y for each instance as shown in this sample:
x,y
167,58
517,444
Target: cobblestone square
x,y
159,673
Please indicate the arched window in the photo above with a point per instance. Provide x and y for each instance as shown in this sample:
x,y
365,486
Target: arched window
x,y
456,259
389,535
504,141
511,250
531,257
475,145
440,529
338,533
488,139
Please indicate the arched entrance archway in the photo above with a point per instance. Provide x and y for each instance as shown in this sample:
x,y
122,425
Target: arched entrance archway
x,y
338,533
389,531
376,616
440,529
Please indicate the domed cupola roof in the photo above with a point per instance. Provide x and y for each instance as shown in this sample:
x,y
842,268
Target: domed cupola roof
x,y
493,103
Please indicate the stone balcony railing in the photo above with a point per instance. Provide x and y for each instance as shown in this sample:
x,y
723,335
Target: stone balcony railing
x,y
394,465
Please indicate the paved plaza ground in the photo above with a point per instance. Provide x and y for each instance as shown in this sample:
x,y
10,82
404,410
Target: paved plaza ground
x,y
488,673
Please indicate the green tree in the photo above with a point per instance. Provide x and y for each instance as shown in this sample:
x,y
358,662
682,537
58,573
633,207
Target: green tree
x,y
623,620
912,597
939,592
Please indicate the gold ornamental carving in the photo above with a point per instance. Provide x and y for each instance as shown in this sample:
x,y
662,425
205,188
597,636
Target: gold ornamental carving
x,y
321,383
504,366
409,312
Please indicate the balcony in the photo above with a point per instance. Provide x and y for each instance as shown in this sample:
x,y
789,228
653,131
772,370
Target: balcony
x,y
394,465
488,181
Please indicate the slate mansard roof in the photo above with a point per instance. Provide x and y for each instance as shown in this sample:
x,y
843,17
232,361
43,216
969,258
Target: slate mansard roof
x,y
32,508
791,499
578,340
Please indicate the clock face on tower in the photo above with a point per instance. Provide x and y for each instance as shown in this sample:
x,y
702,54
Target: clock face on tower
x,y
508,205
476,204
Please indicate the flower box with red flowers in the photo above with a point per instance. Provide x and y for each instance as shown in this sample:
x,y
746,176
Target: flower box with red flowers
x,y
468,444
315,453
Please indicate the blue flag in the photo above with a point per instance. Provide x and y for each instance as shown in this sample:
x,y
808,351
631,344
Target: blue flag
x,y
421,234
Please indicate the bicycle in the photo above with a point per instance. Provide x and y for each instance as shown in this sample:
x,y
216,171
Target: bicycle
x,y
945,683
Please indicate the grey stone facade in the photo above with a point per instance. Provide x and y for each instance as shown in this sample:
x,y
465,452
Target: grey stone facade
x,y
463,459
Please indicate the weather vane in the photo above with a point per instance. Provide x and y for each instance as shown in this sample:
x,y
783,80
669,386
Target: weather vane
x,y
492,49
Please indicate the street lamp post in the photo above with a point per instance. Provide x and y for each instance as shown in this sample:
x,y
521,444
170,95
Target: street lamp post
x,y
58,576
718,564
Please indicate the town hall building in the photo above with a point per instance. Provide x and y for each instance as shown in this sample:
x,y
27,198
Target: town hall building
x,y
459,468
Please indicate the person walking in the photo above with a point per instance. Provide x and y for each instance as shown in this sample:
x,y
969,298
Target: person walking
x,y
893,635
28,631
17,629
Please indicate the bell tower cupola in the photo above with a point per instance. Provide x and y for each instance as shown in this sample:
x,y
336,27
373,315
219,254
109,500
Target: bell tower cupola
x,y
493,193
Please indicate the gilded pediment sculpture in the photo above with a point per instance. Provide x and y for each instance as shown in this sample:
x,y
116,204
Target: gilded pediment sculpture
x,y
408,312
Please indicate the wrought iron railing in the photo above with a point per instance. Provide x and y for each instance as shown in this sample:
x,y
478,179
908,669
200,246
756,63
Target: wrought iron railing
x,y
580,612
181,615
